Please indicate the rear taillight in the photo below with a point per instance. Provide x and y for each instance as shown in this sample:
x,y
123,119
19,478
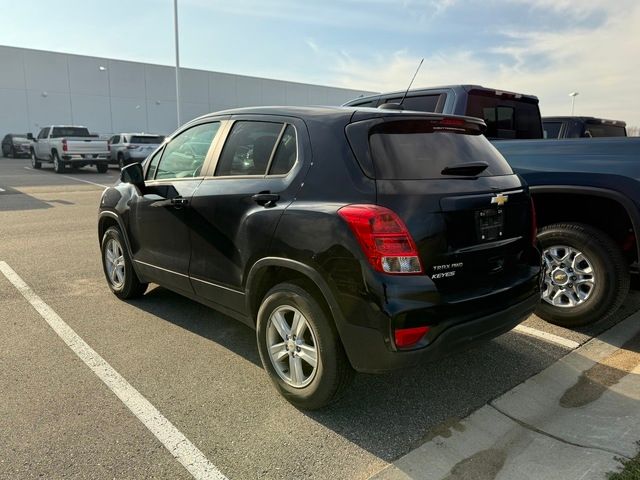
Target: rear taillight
x,y
64,145
452,122
384,239
407,337
534,223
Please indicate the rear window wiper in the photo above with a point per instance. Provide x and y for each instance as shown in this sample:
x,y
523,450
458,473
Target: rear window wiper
x,y
467,169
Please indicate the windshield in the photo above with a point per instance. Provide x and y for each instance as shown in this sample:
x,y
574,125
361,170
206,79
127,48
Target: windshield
x,y
70,132
415,150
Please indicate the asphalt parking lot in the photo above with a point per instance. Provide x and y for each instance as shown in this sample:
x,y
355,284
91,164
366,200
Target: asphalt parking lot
x,y
200,369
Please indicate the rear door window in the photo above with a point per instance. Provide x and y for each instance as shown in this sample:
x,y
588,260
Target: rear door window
x,y
286,153
412,150
552,129
420,103
248,148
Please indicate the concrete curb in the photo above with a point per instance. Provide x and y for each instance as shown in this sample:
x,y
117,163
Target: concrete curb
x,y
573,420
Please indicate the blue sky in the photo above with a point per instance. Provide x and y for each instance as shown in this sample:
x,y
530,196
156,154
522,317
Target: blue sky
x,y
545,47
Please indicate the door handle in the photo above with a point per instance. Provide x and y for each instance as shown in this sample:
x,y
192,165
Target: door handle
x,y
266,199
179,202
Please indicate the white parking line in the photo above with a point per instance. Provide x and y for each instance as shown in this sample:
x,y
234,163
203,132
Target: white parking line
x,y
549,337
76,179
178,445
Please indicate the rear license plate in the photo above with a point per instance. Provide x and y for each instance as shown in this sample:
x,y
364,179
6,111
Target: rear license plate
x,y
490,223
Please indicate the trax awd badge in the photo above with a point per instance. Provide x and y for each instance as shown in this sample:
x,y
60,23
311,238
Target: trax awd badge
x,y
499,199
439,273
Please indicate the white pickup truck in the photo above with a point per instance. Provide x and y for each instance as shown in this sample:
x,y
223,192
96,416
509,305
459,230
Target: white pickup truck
x,y
65,145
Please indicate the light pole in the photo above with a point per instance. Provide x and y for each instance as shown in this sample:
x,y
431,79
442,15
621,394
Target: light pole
x,y
573,96
102,68
175,28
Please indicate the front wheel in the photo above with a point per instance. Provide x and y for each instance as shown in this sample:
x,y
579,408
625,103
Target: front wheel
x,y
586,275
118,266
300,349
35,163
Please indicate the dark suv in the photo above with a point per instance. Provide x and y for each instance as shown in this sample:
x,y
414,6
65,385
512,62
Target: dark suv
x,y
350,239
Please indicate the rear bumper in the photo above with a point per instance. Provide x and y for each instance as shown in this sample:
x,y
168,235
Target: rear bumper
x,y
85,158
369,352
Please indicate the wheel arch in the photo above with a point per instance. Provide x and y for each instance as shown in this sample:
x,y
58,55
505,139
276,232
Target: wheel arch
x,y
602,207
108,219
269,271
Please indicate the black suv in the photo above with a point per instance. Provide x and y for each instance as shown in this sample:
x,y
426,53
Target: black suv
x,y
350,239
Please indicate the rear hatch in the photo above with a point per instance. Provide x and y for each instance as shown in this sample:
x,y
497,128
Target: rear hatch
x,y
144,144
468,214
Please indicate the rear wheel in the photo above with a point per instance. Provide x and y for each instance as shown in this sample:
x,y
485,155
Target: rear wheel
x,y
58,165
300,349
586,275
118,267
35,163
102,167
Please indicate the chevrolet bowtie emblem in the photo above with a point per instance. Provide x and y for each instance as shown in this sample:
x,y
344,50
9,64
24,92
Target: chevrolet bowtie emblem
x,y
500,199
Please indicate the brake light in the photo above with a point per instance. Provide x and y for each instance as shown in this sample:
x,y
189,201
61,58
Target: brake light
x,y
452,122
406,337
534,223
64,145
384,238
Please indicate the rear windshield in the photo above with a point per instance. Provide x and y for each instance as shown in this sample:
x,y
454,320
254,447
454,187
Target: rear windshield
x,y
70,132
413,150
156,140
604,130
506,118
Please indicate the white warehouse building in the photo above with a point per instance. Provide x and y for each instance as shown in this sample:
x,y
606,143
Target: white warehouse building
x,y
39,88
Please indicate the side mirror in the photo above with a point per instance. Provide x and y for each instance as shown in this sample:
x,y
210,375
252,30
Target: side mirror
x,y
30,136
132,174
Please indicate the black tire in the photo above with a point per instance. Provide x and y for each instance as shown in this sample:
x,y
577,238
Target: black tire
x,y
131,286
102,167
333,371
58,164
610,270
35,163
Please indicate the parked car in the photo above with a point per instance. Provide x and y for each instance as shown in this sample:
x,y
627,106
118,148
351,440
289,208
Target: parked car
x,y
65,145
508,115
350,239
126,148
585,193
16,145
581,127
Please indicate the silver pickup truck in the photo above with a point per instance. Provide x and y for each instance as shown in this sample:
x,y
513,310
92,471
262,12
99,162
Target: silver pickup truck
x,y
69,146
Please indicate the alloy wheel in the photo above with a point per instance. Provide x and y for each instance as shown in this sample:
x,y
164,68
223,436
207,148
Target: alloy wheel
x,y
292,346
114,262
569,278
